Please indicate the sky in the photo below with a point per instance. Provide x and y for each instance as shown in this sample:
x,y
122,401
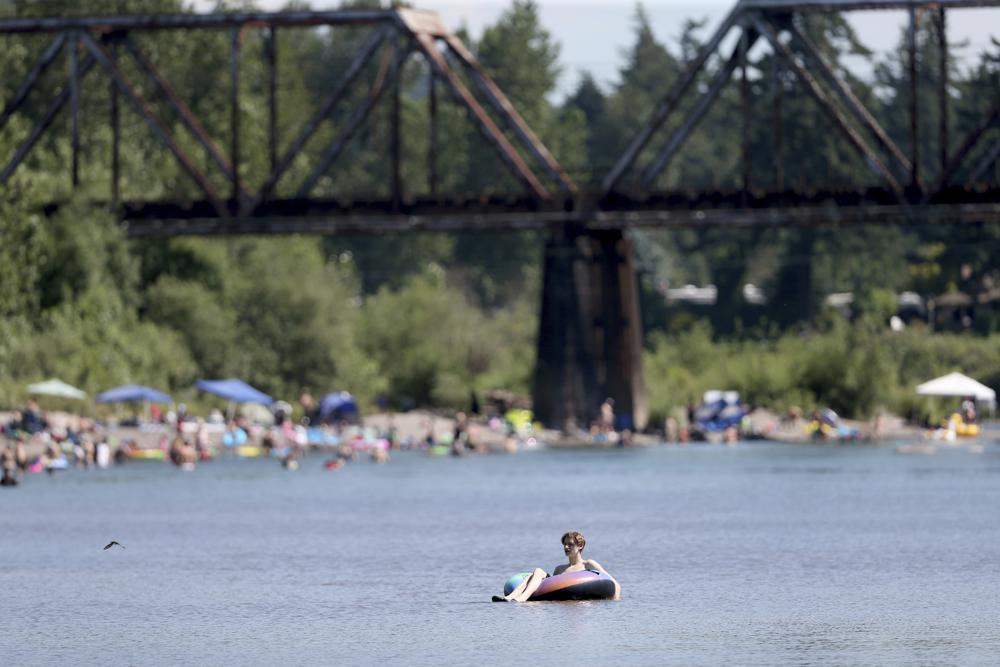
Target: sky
x,y
593,34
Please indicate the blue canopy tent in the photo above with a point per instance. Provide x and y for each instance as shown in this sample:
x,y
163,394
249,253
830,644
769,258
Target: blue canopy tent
x,y
133,392
340,403
234,390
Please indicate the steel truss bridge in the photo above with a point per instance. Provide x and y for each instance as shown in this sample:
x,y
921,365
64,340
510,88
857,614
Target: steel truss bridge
x,y
589,345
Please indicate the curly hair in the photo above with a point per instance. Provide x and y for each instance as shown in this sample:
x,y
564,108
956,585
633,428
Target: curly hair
x,y
574,537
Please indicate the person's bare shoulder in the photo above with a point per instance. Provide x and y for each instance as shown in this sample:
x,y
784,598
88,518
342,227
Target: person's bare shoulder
x,y
559,569
593,565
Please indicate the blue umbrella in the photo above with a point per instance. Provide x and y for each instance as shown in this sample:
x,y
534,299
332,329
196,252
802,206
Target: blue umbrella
x,y
133,392
234,390
340,401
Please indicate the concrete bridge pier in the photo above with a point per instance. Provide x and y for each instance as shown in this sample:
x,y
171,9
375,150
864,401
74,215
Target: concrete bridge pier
x,y
590,332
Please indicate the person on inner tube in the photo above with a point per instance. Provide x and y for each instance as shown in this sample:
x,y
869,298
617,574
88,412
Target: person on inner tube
x,y
573,544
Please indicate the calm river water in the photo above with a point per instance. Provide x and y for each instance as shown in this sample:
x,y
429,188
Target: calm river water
x,y
756,554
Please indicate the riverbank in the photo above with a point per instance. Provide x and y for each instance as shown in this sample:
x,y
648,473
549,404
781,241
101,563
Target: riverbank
x,y
412,428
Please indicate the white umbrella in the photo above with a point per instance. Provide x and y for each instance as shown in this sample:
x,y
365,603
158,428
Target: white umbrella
x,y
56,387
956,384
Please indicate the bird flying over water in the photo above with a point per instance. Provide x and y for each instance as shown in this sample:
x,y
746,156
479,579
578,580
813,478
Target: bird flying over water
x,y
111,544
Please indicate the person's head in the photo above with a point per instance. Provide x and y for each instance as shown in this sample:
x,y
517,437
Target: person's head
x,y
573,542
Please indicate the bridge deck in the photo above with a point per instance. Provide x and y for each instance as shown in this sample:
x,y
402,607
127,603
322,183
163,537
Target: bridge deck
x,y
664,209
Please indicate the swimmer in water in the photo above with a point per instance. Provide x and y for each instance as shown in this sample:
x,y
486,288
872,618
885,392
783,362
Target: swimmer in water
x,y
573,544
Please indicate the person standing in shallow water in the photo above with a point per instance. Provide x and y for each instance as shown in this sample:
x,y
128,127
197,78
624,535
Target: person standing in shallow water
x,y
573,544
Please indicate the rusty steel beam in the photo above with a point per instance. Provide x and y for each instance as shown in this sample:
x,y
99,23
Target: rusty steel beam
x,y
745,103
115,133
350,222
37,69
959,156
188,118
777,127
43,124
911,47
357,118
827,105
307,131
804,216
234,106
74,109
942,35
847,96
432,130
271,55
481,119
668,103
388,223
990,159
104,24
395,121
694,116
143,108
861,5
509,114
372,16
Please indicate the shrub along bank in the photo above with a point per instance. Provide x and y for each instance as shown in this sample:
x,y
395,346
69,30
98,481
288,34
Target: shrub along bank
x,y
856,369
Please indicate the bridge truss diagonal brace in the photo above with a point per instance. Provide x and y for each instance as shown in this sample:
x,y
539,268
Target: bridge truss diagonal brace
x,y
769,32
426,43
28,83
808,49
57,103
356,120
362,58
991,157
958,158
188,118
143,108
669,102
697,112
511,117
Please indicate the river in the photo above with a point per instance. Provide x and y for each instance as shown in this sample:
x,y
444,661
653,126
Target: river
x,y
755,554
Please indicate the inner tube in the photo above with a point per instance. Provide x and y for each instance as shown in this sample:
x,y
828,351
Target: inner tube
x,y
582,585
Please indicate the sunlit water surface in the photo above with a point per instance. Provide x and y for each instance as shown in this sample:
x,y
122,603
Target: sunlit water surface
x,y
756,554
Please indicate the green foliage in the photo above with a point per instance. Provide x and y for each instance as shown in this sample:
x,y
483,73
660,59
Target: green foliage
x,y
20,259
96,342
851,368
432,346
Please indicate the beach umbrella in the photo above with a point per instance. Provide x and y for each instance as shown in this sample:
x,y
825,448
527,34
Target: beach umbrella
x,y
234,390
956,384
340,401
57,388
133,392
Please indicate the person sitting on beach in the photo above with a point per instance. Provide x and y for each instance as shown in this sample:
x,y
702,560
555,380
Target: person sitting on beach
x,y
573,544
968,410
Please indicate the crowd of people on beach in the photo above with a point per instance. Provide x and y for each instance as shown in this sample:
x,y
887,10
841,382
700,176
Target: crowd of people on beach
x,y
35,442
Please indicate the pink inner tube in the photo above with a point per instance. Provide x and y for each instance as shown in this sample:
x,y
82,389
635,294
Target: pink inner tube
x,y
583,585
